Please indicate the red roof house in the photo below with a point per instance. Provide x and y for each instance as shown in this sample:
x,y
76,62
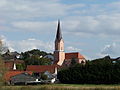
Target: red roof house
x,y
10,63
41,68
10,74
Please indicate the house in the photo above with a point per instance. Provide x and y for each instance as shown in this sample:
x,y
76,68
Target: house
x,y
49,70
9,74
11,64
41,68
114,60
11,55
22,78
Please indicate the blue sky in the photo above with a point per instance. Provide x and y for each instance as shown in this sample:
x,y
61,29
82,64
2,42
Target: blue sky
x,y
91,27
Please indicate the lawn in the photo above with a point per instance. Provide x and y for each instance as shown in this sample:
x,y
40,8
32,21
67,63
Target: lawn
x,y
62,87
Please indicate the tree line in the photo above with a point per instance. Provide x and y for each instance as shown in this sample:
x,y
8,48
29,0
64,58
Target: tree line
x,y
99,71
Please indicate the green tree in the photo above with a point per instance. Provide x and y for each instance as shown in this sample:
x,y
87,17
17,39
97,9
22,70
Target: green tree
x,y
99,71
20,66
2,71
44,77
73,62
35,57
35,60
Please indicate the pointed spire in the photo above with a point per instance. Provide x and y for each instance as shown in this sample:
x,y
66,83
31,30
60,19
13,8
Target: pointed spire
x,y
59,34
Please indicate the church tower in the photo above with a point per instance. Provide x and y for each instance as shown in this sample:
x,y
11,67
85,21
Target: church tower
x,y
59,55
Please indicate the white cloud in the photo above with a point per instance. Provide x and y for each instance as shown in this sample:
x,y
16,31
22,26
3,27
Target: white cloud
x,y
26,9
32,43
34,26
102,25
29,44
94,25
110,49
27,15
73,49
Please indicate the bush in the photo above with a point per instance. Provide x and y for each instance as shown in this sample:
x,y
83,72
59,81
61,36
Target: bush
x,y
44,77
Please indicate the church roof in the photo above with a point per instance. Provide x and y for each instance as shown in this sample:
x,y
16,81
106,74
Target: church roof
x,y
59,34
73,55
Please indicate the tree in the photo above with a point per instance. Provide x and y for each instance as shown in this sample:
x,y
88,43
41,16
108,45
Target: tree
x,y
99,71
35,57
35,60
33,52
73,62
2,71
3,48
20,66
44,77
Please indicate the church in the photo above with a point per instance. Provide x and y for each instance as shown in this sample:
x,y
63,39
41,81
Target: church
x,y
60,57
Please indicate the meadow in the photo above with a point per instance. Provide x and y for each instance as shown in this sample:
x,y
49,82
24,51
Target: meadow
x,y
62,87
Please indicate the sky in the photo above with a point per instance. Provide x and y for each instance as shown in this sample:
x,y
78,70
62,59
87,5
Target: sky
x,y
91,27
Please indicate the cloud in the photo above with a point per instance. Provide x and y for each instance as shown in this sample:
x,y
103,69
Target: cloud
x,y
32,43
80,19
29,44
110,49
101,25
26,9
94,25
73,49
98,20
34,26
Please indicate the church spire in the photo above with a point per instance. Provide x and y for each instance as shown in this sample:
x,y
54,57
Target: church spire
x,y
59,54
59,34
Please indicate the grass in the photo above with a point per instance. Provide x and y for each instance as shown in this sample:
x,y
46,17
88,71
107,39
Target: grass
x,y
62,87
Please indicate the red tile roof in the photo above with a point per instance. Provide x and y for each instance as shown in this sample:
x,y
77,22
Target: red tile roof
x,y
73,55
41,68
10,74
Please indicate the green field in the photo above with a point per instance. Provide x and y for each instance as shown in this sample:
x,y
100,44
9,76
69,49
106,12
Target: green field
x,y
62,87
